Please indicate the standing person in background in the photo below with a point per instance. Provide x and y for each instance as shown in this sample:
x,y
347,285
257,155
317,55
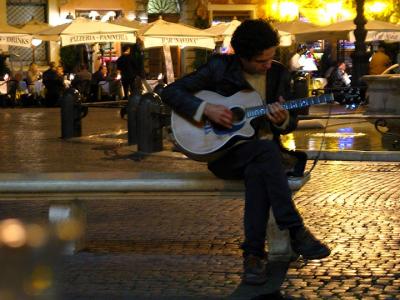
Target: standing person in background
x,y
380,61
296,62
129,70
257,161
53,80
326,61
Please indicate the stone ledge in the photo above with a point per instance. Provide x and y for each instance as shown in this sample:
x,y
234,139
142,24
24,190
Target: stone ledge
x,y
124,182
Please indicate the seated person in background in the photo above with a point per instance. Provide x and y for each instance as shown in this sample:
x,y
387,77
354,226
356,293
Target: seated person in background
x,y
339,84
18,89
33,74
338,78
53,80
99,78
32,77
19,84
380,61
103,84
83,74
82,81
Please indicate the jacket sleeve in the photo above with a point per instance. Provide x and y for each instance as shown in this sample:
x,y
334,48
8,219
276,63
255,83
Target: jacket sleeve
x,y
180,94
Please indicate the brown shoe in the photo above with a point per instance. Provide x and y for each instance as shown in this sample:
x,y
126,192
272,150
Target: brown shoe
x,y
254,270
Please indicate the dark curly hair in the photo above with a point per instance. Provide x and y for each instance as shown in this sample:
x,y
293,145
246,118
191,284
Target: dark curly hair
x,y
252,37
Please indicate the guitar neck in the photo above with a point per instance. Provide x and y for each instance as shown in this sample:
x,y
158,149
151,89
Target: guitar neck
x,y
258,111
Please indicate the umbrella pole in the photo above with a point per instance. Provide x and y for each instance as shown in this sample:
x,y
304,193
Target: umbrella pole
x,y
168,64
179,64
33,54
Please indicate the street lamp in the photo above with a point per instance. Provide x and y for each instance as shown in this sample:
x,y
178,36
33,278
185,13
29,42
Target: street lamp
x,y
359,57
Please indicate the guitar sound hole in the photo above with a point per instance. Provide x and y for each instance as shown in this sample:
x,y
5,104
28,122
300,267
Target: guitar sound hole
x,y
238,114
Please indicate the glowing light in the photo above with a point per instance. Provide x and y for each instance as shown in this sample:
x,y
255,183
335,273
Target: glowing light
x,y
376,7
108,16
131,16
12,233
37,235
288,141
288,10
333,9
143,18
69,230
93,14
36,42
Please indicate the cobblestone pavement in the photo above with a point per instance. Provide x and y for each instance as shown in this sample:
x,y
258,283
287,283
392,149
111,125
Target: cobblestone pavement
x,y
187,247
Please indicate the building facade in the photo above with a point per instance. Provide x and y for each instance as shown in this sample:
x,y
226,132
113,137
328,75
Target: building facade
x,y
55,12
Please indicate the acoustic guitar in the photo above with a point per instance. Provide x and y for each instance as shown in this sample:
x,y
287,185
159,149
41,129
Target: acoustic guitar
x,y
204,140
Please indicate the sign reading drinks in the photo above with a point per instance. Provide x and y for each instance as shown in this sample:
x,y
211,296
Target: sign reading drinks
x,y
86,38
16,40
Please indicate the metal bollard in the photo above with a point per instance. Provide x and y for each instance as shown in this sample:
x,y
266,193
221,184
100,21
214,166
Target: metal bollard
x,y
152,116
132,112
159,88
72,113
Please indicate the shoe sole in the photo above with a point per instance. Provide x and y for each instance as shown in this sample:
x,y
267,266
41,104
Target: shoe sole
x,y
322,254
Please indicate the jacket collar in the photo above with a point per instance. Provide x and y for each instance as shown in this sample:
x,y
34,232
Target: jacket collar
x,y
234,72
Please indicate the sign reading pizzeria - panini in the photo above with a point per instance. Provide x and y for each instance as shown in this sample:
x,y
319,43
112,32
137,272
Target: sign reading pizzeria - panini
x,y
97,38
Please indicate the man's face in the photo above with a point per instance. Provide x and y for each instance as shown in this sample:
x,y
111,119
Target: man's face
x,y
259,64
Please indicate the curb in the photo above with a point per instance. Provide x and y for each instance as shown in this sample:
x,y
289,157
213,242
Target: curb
x,y
354,155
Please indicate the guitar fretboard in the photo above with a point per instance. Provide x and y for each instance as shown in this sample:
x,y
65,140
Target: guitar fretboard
x,y
257,111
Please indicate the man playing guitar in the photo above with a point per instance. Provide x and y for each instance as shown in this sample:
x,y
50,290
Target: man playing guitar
x,y
257,161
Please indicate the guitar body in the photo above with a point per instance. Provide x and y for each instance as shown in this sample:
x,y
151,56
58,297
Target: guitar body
x,y
201,140
204,140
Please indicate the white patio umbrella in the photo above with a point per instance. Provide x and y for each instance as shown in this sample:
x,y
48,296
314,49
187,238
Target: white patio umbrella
x,y
294,27
387,36
128,23
224,32
341,30
85,31
13,36
162,33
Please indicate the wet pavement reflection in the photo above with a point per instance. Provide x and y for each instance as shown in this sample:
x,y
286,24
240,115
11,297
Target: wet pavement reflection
x,y
30,141
339,135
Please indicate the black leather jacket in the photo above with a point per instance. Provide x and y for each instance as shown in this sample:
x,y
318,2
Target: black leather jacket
x,y
223,75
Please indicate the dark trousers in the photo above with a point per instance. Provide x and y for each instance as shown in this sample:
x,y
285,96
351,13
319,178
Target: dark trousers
x,y
259,163
129,85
